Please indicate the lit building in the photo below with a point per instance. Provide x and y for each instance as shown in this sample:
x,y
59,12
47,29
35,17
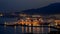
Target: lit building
x,y
57,22
35,23
35,20
21,21
28,22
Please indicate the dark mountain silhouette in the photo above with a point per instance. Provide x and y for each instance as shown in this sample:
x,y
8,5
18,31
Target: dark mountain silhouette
x,y
50,9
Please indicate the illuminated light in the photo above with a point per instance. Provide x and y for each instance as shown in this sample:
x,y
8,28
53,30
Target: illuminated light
x,y
27,29
49,28
15,30
29,24
26,22
1,14
30,30
5,24
22,29
14,27
36,16
57,22
21,22
28,18
41,20
38,29
22,14
35,23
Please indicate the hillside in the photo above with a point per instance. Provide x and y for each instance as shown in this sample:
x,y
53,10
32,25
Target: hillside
x,y
50,9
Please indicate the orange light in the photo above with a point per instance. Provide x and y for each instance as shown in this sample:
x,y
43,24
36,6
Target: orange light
x,y
57,22
29,22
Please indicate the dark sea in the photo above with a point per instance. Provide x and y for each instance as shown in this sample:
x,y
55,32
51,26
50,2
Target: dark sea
x,y
21,29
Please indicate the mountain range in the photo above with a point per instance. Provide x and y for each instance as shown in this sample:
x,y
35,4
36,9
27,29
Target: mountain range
x,y
50,9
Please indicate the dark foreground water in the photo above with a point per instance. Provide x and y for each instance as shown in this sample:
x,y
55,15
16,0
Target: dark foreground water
x,y
21,30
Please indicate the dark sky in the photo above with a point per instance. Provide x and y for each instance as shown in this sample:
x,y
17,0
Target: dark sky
x,y
24,4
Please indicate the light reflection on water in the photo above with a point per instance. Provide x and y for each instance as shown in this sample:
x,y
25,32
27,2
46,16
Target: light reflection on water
x,y
22,29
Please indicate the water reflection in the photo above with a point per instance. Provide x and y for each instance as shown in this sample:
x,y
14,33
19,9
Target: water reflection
x,y
15,29
27,29
22,29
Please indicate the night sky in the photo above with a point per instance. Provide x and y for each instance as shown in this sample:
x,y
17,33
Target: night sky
x,y
13,5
